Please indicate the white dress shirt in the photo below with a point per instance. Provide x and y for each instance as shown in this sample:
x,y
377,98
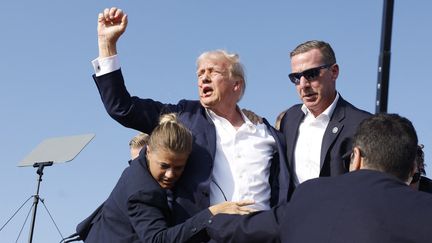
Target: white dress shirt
x,y
105,65
307,154
241,167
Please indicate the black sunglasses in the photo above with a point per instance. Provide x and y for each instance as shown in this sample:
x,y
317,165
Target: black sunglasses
x,y
309,74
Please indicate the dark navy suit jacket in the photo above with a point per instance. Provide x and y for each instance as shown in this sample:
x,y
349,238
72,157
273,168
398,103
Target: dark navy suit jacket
x,y
337,139
365,206
137,210
192,189
425,184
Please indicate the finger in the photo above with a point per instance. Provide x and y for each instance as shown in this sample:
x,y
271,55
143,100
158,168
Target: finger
x,y
118,13
245,202
251,210
106,14
100,17
246,209
243,212
112,12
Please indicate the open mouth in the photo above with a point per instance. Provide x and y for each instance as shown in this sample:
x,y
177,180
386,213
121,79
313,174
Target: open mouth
x,y
207,91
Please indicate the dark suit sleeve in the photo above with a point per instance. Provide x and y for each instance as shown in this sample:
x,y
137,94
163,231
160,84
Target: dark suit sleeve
x,y
85,226
259,227
132,112
149,215
280,176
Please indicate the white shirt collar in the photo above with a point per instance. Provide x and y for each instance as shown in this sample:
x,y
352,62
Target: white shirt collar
x,y
213,116
327,112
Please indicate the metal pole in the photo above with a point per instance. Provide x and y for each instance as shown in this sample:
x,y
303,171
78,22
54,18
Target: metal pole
x,y
40,166
384,58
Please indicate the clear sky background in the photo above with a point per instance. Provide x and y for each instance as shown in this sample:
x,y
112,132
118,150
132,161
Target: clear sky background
x,y
47,90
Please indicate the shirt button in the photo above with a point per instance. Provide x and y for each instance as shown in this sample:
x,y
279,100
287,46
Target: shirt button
x,y
210,221
194,230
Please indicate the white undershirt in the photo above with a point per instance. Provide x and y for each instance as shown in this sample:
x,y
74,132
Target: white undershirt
x,y
241,167
307,154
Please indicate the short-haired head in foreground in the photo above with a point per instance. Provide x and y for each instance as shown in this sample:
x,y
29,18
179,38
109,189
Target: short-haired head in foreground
x,y
387,143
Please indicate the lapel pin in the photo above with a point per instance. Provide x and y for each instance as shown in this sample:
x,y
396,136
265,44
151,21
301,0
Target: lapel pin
x,y
335,130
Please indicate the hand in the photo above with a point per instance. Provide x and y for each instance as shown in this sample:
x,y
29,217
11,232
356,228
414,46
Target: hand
x,y
254,118
233,207
112,24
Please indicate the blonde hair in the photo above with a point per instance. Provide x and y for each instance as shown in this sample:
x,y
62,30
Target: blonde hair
x,y
171,135
235,67
139,141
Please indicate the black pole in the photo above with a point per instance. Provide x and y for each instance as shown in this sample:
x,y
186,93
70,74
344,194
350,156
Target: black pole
x,y
384,58
40,167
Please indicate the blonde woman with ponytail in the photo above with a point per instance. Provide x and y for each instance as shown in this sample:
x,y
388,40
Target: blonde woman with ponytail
x,y
140,207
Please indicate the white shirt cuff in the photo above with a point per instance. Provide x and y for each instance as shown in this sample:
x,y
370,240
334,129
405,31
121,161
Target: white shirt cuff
x,y
106,65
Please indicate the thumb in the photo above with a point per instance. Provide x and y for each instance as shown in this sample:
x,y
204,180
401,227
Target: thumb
x,y
124,21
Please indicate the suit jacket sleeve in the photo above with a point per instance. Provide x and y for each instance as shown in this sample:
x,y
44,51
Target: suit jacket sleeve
x,y
280,175
258,227
132,112
150,217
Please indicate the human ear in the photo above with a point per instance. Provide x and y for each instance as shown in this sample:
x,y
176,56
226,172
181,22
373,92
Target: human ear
x,y
335,71
238,83
356,160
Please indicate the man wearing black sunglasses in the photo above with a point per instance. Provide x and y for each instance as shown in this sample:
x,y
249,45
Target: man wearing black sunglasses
x,y
318,131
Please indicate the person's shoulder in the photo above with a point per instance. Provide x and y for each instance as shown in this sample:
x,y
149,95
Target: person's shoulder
x,y
342,179
293,112
347,104
313,189
188,105
425,184
294,108
316,184
352,110
137,175
189,102
267,124
421,199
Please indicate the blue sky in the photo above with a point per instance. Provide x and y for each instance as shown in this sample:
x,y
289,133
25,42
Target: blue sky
x,y
47,89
